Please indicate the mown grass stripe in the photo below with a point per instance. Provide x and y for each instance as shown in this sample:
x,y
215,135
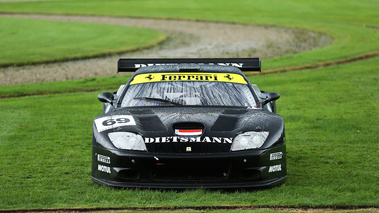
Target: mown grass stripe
x,y
31,41
319,65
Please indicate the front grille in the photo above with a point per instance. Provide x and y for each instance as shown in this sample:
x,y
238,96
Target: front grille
x,y
190,169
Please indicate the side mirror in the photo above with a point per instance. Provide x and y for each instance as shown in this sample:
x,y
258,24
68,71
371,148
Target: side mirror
x,y
271,96
105,97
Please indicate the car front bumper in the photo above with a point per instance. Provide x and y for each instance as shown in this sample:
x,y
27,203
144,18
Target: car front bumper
x,y
242,169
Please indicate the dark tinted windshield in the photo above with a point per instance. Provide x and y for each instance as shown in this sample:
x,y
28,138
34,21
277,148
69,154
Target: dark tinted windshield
x,y
194,93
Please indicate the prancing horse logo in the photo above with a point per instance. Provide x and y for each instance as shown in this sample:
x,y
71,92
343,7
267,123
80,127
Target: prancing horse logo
x,y
228,77
150,77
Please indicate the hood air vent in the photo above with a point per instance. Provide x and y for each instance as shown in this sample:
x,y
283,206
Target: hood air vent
x,y
188,129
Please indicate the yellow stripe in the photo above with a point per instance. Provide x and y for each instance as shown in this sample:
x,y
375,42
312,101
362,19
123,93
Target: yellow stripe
x,y
164,77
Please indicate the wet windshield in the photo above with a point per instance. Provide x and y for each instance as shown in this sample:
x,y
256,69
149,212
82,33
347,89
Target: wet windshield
x,y
194,93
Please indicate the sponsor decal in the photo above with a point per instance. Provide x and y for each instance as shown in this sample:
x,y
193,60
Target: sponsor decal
x,y
276,156
104,159
275,168
178,139
103,168
164,77
188,131
114,121
240,65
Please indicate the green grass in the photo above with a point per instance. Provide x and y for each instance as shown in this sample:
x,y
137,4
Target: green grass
x,y
263,210
330,113
204,210
331,126
86,84
26,41
351,23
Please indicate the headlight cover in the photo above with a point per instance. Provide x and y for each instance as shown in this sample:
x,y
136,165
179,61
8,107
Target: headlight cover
x,y
127,140
249,140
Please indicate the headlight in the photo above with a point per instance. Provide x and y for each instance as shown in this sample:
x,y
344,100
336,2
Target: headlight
x,y
249,140
127,140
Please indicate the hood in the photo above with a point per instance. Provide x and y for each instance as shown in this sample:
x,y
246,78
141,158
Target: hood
x,y
189,129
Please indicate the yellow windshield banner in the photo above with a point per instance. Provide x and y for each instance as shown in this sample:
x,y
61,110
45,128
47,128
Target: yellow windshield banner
x,y
164,77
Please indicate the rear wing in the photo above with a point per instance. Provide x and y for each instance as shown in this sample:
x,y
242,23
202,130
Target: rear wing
x,y
244,64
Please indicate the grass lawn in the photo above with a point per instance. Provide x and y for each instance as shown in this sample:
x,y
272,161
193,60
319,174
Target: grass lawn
x,y
352,24
331,125
330,113
86,84
26,41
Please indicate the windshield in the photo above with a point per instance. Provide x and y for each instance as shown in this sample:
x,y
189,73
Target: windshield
x,y
193,93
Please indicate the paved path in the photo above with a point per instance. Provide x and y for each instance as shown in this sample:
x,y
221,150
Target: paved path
x,y
186,39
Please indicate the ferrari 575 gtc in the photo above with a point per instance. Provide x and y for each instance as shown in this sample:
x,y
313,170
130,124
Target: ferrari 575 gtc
x,y
189,123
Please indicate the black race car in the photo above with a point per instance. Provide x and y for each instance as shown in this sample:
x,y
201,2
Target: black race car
x,y
189,123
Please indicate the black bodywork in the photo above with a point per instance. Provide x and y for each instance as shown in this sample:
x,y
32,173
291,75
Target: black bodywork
x,y
188,146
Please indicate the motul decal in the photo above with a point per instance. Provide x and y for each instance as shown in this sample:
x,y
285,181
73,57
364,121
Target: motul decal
x,y
178,139
105,169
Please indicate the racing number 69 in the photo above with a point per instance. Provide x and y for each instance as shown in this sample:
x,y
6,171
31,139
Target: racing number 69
x,y
110,122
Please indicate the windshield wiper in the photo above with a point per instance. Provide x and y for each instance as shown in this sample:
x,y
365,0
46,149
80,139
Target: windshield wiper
x,y
158,99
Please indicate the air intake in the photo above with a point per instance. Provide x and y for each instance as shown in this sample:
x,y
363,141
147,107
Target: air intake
x,y
188,129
